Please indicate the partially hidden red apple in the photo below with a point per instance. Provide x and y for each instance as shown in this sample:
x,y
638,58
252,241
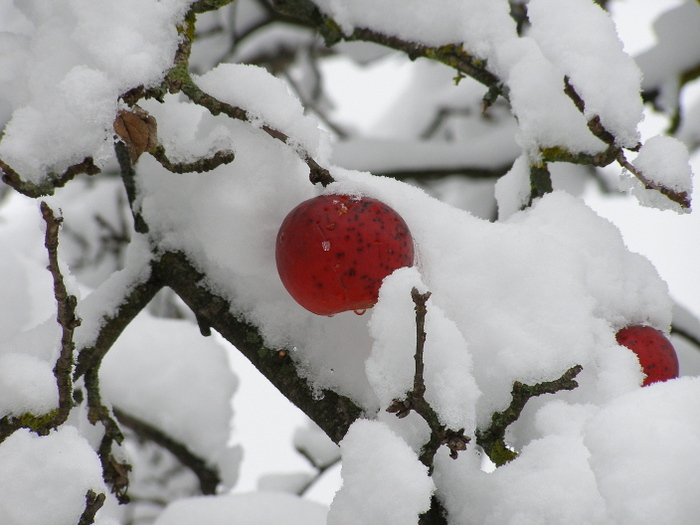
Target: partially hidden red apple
x,y
655,352
333,251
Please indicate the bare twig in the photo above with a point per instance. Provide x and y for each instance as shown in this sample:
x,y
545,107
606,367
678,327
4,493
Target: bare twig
x,y
66,304
200,165
415,399
682,198
52,180
68,321
492,440
93,503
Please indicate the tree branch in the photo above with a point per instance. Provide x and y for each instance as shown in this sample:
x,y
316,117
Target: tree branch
x,y
415,399
492,440
66,304
51,182
200,166
332,412
93,503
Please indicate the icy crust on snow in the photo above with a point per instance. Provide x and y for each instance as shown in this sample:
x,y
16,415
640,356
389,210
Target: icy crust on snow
x,y
373,457
144,369
44,479
566,39
60,79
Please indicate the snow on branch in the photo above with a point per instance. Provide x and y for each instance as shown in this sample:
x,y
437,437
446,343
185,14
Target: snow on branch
x,y
178,79
332,412
68,321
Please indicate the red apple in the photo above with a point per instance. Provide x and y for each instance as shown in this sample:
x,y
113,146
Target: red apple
x,y
333,251
654,351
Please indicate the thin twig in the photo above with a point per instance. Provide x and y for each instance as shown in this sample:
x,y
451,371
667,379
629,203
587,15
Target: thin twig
x,y
200,165
93,503
492,439
415,399
682,198
207,475
51,181
66,305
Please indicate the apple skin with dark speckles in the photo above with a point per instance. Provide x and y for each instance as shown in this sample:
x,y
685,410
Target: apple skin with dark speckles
x,y
654,351
333,251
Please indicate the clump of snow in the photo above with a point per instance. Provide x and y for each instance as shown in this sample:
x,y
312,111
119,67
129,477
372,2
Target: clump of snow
x,y
44,479
154,373
546,116
383,481
27,385
435,23
513,190
257,508
639,452
574,35
663,160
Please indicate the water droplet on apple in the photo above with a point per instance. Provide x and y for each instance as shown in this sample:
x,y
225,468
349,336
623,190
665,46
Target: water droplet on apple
x,y
360,312
330,225
326,245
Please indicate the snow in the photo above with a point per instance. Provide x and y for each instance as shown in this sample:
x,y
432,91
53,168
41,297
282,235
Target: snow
x,y
383,481
639,453
66,95
268,101
522,299
513,189
607,86
45,479
259,508
184,393
27,385
665,161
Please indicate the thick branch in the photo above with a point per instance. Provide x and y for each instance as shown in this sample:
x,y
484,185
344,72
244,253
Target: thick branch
x,y
332,412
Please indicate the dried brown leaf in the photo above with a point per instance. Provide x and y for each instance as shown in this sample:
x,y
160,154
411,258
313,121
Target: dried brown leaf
x,y
138,130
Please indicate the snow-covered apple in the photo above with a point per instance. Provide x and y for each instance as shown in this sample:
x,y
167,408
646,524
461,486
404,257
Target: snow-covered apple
x,y
654,351
333,251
